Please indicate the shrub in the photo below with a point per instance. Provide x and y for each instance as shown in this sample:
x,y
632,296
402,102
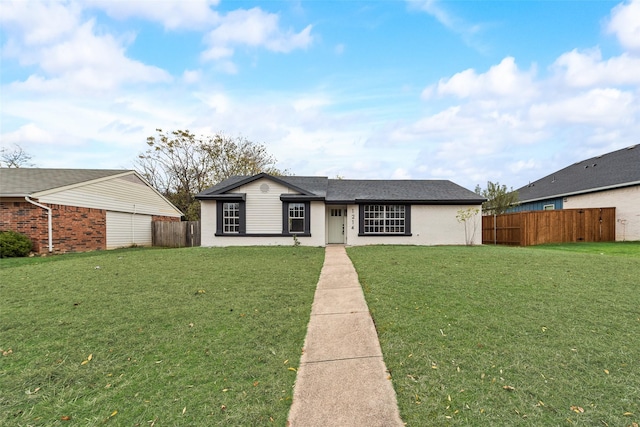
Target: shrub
x,y
14,244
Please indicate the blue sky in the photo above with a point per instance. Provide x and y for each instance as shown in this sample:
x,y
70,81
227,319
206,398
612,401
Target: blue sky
x,y
470,91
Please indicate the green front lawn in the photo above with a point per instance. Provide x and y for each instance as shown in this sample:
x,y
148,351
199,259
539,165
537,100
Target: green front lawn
x,y
497,336
154,336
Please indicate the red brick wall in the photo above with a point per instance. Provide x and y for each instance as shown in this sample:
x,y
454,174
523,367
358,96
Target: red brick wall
x,y
75,229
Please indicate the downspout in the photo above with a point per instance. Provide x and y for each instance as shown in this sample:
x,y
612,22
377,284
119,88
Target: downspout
x,y
49,218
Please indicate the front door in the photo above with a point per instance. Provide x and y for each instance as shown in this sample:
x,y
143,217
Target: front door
x,y
336,224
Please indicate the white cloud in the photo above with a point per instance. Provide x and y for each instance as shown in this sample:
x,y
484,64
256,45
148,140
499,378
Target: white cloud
x,y
217,52
401,173
311,102
523,165
102,54
191,76
625,24
68,55
254,28
217,101
172,14
581,69
597,107
28,134
466,30
86,61
504,80
444,17
35,23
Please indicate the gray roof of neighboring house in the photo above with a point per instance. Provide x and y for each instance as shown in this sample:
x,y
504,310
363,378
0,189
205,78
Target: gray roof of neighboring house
x,y
21,182
612,170
350,191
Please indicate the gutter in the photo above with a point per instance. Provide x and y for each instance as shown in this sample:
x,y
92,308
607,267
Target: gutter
x,y
49,218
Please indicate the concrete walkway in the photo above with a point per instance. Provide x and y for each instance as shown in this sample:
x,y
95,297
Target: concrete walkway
x,y
342,380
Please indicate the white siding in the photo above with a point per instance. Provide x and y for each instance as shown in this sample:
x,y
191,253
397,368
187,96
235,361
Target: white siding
x,y
208,229
122,194
430,225
627,204
125,229
264,208
208,224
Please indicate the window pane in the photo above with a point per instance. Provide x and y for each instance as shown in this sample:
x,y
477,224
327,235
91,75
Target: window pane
x,y
231,217
296,217
296,225
384,219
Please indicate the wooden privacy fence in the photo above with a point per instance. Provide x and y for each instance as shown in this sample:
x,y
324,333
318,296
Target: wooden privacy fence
x,y
176,234
554,226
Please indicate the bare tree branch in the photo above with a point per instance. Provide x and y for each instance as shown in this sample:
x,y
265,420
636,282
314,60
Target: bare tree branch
x,y
15,158
180,164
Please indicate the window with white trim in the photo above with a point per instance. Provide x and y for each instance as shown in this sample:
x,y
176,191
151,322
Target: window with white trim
x,y
296,217
231,218
384,219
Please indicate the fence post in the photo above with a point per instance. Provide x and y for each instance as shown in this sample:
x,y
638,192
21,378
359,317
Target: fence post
x,y
495,229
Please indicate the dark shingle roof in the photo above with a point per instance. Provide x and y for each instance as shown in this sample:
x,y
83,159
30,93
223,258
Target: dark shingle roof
x,y
310,185
26,181
616,169
348,190
313,184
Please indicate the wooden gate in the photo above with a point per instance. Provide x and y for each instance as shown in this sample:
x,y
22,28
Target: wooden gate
x,y
176,234
555,226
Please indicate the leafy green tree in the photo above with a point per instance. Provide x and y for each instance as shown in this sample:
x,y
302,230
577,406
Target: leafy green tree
x,y
180,164
499,198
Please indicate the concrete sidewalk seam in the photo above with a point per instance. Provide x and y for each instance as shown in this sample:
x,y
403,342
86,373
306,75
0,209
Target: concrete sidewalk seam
x,y
339,313
311,362
337,288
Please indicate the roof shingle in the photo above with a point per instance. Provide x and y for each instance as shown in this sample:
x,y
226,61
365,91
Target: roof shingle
x,y
27,181
350,191
616,169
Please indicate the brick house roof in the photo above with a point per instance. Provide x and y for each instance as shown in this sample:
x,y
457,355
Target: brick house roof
x,y
19,182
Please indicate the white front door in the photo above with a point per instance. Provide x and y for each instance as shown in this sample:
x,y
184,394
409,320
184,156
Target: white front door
x,y
336,224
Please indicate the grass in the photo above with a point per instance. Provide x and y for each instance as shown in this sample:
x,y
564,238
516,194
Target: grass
x,y
602,248
154,337
481,336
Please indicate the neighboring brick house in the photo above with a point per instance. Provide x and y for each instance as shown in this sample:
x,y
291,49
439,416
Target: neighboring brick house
x,y
608,180
76,210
